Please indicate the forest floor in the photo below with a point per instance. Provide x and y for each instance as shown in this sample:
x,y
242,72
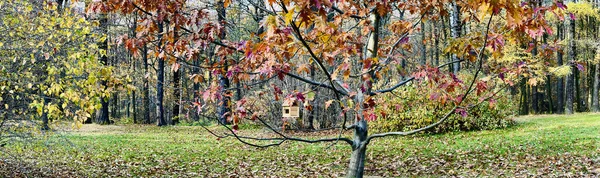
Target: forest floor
x,y
549,145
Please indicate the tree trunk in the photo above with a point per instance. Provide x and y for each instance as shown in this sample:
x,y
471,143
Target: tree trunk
x,y
577,84
359,150
549,94
176,96
176,84
570,84
423,45
560,86
196,86
45,119
534,90
359,146
115,105
524,104
146,88
224,109
134,107
595,104
311,114
436,43
160,115
104,118
455,32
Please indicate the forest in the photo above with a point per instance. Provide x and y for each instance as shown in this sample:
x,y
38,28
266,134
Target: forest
x,y
299,88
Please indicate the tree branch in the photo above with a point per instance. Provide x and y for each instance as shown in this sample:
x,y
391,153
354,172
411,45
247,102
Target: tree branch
x,y
480,59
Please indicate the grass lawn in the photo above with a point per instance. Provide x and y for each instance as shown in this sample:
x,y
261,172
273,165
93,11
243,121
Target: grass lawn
x,y
550,145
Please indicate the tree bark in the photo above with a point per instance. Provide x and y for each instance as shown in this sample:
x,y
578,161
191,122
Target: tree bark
x,y
146,88
560,86
455,28
577,85
224,109
595,104
436,43
313,112
549,94
196,86
534,90
359,146
423,45
569,84
176,93
104,117
524,104
359,150
160,115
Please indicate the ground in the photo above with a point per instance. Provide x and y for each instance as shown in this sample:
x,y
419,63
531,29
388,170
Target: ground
x,y
551,145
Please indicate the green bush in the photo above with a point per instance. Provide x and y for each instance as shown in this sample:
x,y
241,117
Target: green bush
x,y
412,108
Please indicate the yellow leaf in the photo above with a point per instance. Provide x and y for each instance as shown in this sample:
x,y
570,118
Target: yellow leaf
x,y
483,10
288,17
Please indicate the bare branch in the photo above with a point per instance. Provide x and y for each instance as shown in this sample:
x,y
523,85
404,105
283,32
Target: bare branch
x,y
410,79
416,130
480,59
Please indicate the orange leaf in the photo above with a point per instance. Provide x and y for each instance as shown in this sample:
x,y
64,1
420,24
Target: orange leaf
x,y
226,3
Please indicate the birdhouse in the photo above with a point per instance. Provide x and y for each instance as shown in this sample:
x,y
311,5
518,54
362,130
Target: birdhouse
x,y
290,110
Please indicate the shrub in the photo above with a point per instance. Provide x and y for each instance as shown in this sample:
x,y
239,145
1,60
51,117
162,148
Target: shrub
x,y
413,107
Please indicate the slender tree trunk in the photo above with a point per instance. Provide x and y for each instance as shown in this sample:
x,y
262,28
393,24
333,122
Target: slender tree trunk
x,y
104,118
146,88
455,32
595,104
196,89
534,90
423,45
160,115
524,101
577,82
224,109
436,43
134,107
560,87
313,112
115,105
176,83
549,94
176,96
570,84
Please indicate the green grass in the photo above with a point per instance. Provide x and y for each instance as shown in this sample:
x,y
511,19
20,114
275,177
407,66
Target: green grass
x,y
551,145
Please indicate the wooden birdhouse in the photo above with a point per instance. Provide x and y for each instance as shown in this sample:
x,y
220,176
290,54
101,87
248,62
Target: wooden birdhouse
x,y
290,110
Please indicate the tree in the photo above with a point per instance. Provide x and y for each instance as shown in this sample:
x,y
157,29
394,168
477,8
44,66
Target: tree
x,y
455,27
103,46
224,108
344,41
560,88
49,70
160,109
569,82
176,81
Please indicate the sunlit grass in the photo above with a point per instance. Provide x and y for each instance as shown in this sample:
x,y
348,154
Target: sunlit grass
x,y
538,145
